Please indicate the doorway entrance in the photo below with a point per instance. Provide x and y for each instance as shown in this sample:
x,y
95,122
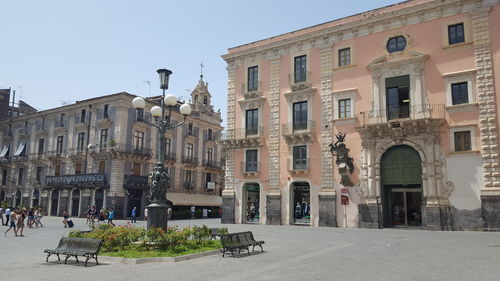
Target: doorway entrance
x,y
134,199
401,172
75,202
301,203
398,97
99,199
251,208
54,202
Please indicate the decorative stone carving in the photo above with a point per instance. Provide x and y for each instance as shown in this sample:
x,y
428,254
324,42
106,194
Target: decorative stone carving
x,y
344,163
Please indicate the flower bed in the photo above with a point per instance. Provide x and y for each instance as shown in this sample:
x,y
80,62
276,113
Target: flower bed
x,y
135,242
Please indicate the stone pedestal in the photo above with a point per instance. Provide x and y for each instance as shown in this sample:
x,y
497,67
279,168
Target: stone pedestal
x,y
273,209
370,216
227,206
490,205
157,215
327,208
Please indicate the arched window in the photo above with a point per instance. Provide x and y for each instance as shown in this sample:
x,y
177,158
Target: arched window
x,y
396,44
18,198
205,100
99,198
2,195
35,198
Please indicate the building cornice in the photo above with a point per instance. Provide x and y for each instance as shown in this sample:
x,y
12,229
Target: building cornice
x,y
373,23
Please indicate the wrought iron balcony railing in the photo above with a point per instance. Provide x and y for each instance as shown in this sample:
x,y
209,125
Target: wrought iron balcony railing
x,y
298,165
410,112
249,167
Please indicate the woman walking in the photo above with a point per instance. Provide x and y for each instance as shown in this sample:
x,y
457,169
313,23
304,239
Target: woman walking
x,y
65,218
111,216
12,223
20,223
38,217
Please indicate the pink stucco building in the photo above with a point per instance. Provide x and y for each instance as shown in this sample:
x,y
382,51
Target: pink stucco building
x,y
413,86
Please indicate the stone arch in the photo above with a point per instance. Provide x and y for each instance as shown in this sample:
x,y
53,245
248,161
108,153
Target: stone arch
x,y
247,199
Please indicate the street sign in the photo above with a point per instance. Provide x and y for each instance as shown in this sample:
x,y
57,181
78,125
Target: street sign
x,y
344,196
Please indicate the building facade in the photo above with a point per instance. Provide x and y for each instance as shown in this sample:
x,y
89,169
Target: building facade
x,y
413,86
99,152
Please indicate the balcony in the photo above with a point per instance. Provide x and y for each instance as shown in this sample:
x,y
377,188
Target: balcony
x,y
38,156
19,158
397,122
190,161
188,185
250,167
250,93
108,151
299,82
243,137
298,132
298,165
81,180
170,157
214,137
135,182
211,165
23,132
56,154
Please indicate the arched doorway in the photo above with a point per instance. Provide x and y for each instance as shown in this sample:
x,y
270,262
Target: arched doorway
x,y
300,203
75,203
18,198
401,178
134,199
251,209
35,199
54,202
99,199
2,195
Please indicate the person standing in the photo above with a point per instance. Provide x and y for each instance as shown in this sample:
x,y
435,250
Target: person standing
x,y
133,215
12,222
65,218
38,217
193,212
169,213
31,217
7,215
111,216
146,214
1,215
20,223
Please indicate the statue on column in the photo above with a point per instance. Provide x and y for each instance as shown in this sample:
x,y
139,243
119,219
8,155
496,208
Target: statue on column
x,y
344,162
159,186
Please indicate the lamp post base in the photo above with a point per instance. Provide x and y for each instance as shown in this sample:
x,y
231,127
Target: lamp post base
x,y
157,215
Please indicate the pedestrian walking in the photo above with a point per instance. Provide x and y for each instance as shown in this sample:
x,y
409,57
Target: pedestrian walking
x,y
12,222
111,216
38,217
169,213
31,217
1,215
133,215
101,217
7,215
65,218
146,214
193,212
89,214
20,222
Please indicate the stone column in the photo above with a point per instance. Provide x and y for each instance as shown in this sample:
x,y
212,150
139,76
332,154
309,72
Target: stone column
x,y
327,195
490,193
116,190
273,200
228,194
370,210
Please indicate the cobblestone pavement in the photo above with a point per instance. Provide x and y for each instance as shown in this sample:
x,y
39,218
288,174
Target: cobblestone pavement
x,y
291,253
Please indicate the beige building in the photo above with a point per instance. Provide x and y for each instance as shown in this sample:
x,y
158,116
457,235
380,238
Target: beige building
x,y
98,152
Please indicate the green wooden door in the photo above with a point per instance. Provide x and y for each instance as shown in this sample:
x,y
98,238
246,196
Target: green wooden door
x,y
401,165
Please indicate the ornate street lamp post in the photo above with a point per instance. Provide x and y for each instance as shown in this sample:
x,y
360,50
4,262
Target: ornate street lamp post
x,y
157,210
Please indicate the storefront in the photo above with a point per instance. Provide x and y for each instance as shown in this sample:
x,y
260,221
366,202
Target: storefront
x,y
300,203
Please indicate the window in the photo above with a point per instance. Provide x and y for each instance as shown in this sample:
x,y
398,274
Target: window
x,y
189,151
44,121
300,157
190,129
83,116
81,141
210,135
456,33
41,145
62,120
208,178
252,121
300,69
345,108
397,97
20,176
462,141
139,114
188,177
57,170
253,77
344,56
299,117
38,177
59,144
138,140
396,44
252,164
78,168
4,177
106,111
210,154
168,142
459,93
102,167
136,169
104,138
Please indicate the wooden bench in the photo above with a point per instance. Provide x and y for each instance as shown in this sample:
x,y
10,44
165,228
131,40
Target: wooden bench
x,y
74,247
239,241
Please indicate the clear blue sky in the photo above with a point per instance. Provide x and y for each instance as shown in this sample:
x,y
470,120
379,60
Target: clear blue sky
x,y
73,50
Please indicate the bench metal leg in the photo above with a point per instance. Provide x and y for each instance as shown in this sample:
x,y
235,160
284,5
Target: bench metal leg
x,y
261,249
96,261
48,255
86,260
66,260
58,258
77,261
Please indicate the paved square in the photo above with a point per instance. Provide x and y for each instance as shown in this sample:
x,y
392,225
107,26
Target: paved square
x,y
291,253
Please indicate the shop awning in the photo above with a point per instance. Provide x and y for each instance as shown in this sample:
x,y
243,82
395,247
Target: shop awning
x,y
183,199
20,148
5,150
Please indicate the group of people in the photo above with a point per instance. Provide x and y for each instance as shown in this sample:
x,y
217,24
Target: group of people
x,y
15,219
102,215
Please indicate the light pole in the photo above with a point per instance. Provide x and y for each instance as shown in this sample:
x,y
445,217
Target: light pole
x,y
157,210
